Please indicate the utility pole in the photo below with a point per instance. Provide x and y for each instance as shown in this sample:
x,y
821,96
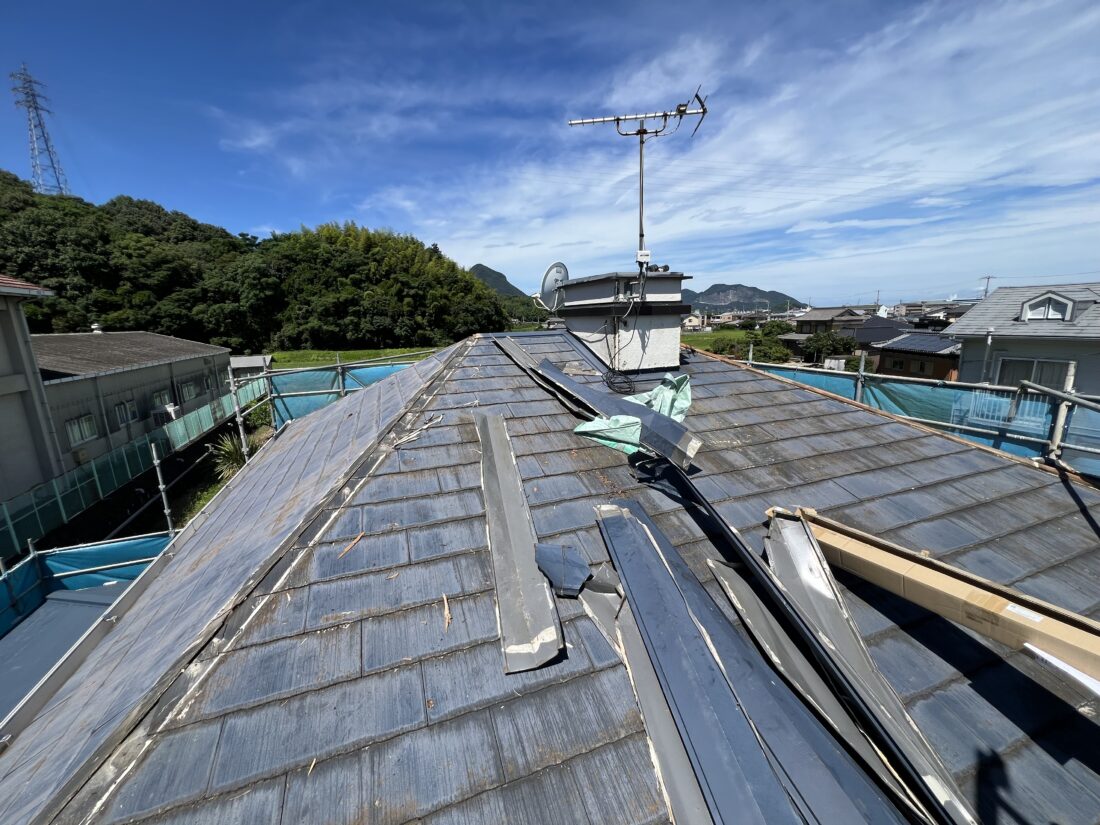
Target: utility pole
x,y
46,173
643,133
987,279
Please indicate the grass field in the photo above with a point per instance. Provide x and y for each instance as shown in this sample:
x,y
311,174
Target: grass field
x,y
703,340
294,359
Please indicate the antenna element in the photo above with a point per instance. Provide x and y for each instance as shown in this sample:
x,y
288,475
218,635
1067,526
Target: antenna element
x,y
676,116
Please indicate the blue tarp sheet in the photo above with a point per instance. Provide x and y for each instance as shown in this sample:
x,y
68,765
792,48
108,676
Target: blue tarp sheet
x,y
95,555
25,587
325,380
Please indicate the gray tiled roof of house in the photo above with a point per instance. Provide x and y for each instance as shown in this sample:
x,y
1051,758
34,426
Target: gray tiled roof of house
x,y
925,342
293,662
1001,310
829,313
83,353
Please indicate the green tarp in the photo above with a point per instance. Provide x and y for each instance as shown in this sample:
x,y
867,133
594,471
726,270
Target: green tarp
x,y
672,397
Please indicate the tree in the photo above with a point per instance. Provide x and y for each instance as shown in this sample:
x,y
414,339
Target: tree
x,y
132,264
773,329
827,342
765,349
748,323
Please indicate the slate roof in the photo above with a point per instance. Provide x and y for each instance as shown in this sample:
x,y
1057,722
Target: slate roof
x,y
829,313
930,343
85,353
1002,309
266,675
876,329
22,289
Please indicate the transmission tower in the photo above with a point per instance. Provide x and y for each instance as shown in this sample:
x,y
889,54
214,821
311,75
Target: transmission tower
x,y
46,173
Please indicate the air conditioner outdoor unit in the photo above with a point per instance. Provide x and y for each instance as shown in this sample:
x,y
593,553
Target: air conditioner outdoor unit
x,y
162,415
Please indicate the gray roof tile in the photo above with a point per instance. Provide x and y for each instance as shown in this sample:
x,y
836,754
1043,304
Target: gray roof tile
x,y
431,768
278,737
408,635
86,353
562,721
1001,310
567,742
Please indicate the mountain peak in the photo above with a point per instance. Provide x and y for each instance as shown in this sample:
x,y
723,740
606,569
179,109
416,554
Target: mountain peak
x,y
496,281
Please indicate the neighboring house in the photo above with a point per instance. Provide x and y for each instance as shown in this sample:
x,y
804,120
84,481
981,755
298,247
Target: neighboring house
x,y
919,355
243,366
105,389
835,319
1046,334
692,323
876,329
30,453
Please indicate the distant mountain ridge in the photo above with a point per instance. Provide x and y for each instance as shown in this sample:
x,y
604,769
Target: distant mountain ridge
x,y
728,297
496,281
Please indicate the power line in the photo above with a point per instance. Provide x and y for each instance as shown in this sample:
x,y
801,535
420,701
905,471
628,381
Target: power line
x,y
46,173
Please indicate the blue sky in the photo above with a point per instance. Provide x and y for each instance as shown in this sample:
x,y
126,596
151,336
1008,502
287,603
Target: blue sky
x,y
903,148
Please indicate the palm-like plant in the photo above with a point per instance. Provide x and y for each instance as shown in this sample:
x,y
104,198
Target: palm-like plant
x,y
229,456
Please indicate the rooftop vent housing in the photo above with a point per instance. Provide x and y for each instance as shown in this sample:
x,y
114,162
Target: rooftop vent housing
x,y
629,325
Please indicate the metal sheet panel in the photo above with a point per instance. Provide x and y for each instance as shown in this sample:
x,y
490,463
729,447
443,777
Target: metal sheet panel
x,y
529,629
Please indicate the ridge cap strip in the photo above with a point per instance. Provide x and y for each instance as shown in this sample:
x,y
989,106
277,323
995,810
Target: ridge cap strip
x,y
530,631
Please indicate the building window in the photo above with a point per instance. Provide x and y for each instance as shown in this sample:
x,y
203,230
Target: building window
x,y
80,429
125,412
922,367
1047,309
162,398
1047,373
188,390
897,364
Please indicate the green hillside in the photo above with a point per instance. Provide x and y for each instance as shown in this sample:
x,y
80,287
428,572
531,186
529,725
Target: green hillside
x,y
131,264
496,281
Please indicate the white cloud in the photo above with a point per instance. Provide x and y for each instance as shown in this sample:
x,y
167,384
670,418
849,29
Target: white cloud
x,y
953,141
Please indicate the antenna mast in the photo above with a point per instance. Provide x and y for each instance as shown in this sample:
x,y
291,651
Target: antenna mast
x,y
46,173
676,115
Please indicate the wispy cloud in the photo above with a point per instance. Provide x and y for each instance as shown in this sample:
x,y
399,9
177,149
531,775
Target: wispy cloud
x,y
941,143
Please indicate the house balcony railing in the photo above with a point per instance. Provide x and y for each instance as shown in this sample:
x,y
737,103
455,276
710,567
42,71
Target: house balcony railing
x,y
1029,420
33,514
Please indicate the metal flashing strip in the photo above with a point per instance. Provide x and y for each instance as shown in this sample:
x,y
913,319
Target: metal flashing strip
x,y
802,571
758,752
530,632
614,618
791,663
942,805
660,434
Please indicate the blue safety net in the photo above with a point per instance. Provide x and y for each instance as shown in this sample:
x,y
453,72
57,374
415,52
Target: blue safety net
x,y
1018,424
325,383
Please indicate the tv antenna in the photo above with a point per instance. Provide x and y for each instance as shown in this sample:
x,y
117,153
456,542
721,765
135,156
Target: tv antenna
x,y
671,118
46,173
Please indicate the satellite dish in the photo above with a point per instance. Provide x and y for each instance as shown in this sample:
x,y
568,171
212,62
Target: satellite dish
x,y
550,294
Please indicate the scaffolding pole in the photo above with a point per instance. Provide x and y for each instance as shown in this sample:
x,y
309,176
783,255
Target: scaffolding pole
x,y
237,413
163,489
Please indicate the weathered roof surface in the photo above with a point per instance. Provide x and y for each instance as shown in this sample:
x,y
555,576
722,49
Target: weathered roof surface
x,y
320,684
83,353
1002,309
930,343
22,289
